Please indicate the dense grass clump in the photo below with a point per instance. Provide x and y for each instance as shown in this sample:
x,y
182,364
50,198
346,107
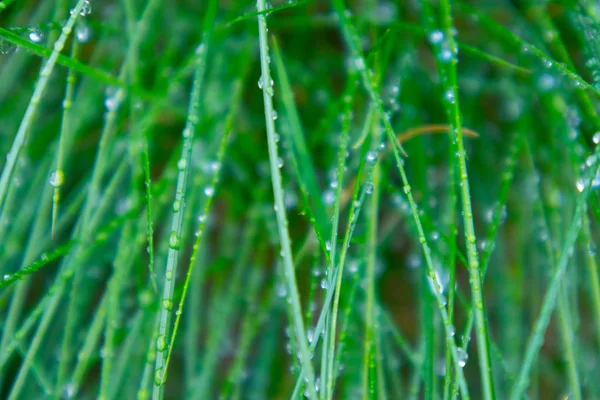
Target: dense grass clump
x,y
330,200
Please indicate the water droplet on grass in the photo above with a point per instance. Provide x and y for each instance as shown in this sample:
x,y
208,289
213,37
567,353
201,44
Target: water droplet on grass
x,y
310,334
161,343
85,10
462,357
436,37
449,96
167,304
174,241
370,188
57,178
359,63
83,33
36,35
214,166
274,115
110,103
209,191
546,82
158,377
445,55
371,156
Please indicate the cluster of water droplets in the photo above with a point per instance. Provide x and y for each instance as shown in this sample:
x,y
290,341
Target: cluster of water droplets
x,y
591,162
445,51
267,86
85,10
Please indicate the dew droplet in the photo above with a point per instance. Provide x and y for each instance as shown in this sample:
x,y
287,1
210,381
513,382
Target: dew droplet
x,y
274,115
167,304
324,283
110,103
161,343
214,166
181,164
436,37
310,334
328,245
158,377
57,178
449,96
371,156
83,33
462,357
85,10
36,35
359,63
445,55
174,241
209,191
546,82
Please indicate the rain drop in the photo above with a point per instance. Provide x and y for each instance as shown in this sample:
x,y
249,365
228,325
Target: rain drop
x,y
209,191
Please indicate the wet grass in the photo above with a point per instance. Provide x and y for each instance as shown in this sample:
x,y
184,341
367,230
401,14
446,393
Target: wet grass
x,y
299,199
